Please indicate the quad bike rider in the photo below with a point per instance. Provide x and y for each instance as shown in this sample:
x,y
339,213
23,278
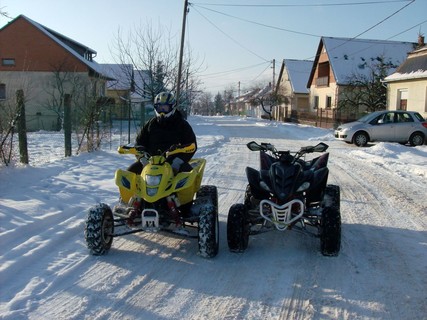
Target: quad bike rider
x,y
287,192
162,190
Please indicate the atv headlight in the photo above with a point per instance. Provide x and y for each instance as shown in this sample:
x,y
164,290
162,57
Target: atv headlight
x,y
152,191
153,180
304,186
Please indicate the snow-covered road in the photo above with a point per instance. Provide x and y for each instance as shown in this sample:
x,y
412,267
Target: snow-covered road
x,y
381,272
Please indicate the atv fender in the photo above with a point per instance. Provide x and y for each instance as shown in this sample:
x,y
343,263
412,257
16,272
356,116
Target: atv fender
x,y
126,181
254,180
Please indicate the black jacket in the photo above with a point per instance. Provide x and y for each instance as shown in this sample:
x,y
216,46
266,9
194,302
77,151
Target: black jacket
x,y
158,135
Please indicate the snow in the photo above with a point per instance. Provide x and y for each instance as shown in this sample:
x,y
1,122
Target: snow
x,y
299,73
381,272
419,74
346,55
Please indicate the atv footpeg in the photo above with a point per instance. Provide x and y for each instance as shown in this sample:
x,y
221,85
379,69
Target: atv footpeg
x,y
150,220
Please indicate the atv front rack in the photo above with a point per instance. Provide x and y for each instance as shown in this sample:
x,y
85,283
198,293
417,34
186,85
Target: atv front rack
x,y
281,215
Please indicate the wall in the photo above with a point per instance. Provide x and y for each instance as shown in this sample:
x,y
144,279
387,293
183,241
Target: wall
x,y
417,95
33,50
39,88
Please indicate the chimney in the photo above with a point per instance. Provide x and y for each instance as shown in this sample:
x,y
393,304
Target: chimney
x,y
420,41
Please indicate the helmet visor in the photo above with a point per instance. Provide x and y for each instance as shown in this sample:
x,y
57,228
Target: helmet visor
x,y
163,108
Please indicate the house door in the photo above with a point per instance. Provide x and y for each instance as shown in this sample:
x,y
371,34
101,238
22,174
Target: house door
x,y
384,128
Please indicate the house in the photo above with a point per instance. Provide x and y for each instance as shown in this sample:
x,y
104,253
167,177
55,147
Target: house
x,y
407,87
242,102
292,88
120,88
46,65
129,87
338,60
251,102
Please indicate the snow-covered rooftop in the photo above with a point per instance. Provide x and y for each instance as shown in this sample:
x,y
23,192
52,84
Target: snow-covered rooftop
x,y
349,56
414,67
298,72
122,73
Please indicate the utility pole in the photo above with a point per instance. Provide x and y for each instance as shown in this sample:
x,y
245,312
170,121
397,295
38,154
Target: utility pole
x,y
181,53
274,74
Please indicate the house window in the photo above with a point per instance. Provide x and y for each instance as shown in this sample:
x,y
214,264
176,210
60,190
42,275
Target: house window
x,y
328,102
2,91
402,99
316,102
323,74
7,62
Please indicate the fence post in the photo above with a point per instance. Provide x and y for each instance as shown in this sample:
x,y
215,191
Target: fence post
x,y
22,127
67,124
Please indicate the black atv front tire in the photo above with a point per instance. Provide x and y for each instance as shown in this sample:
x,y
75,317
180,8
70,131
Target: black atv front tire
x,y
237,228
248,195
330,226
208,228
99,229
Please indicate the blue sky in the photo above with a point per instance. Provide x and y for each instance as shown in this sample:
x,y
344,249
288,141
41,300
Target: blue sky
x,y
235,43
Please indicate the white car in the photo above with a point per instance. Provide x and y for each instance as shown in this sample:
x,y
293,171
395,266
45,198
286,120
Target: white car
x,y
387,126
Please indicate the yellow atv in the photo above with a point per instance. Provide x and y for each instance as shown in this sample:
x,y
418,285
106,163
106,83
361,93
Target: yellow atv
x,y
158,200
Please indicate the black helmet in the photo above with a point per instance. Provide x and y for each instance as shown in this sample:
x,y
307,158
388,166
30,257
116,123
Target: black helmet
x,y
164,104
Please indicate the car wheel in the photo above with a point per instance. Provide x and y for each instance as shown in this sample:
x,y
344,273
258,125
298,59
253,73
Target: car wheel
x,y
360,139
416,139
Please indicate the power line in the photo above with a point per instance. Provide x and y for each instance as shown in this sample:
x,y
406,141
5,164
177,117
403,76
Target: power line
x,y
388,17
398,34
260,73
355,37
261,24
301,5
408,3
235,41
209,75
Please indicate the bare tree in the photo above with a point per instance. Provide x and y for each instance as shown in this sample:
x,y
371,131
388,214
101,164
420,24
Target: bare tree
x,y
9,114
153,53
203,105
4,13
267,99
86,101
365,89
7,130
228,97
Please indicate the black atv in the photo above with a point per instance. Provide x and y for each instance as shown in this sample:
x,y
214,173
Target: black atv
x,y
288,192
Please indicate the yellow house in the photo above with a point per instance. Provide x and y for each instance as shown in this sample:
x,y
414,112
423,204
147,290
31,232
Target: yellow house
x,y
292,87
407,87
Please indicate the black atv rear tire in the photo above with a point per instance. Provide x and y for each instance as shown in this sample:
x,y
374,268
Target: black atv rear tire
x,y
330,226
237,228
208,227
99,229
248,196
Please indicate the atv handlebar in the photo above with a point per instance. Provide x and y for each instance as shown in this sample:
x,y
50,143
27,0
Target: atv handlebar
x,y
139,151
264,147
